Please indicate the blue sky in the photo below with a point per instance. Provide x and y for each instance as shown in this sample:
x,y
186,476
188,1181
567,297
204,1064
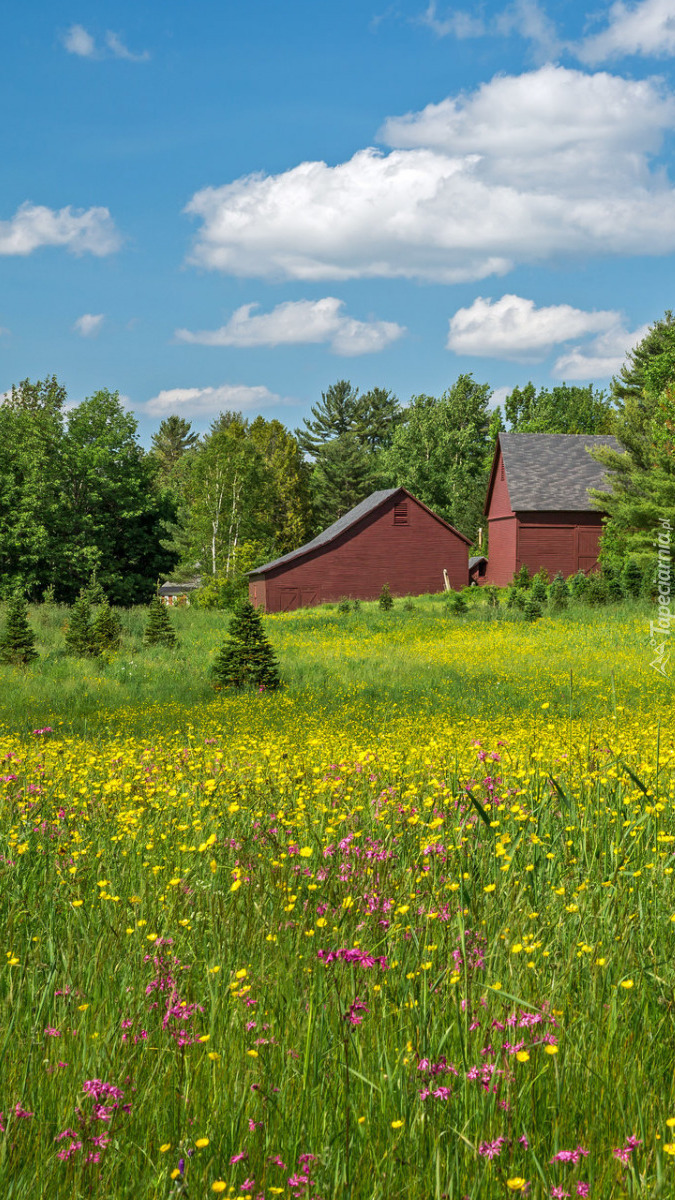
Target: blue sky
x,y
221,205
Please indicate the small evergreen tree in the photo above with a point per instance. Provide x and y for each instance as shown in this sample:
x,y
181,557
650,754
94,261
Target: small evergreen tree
x,y
516,598
491,595
386,600
247,658
106,629
578,585
344,606
457,604
159,631
596,593
613,584
521,578
79,634
94,590
531,609
558,593
17,642
539,588
631,578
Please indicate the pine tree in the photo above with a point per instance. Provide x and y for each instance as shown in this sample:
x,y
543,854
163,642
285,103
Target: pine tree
x,y
159,631
106,629
80,635
247,658
17,642
558,593
578,585
539,589
386,600
532,609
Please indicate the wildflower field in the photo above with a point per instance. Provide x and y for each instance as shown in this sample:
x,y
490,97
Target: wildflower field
x,y
405,928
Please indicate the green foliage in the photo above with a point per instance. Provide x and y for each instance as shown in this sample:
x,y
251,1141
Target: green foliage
x,y
17,641
442,450
247,659
558,593
532,610
385,600
343,476
563,409
457,604
491,594
159,631
80,640
632,578
174,438
106,629
597,591
516,598
408,605
539,588
344,606
578,585
522,578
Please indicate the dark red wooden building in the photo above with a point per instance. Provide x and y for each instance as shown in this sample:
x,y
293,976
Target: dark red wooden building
x,y
389,538
538,508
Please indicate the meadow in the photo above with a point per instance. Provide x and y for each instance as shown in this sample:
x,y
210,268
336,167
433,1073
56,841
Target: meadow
x,y
405,928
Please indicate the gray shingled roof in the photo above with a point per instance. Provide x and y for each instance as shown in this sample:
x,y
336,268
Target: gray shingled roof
x,y
553,471
355,514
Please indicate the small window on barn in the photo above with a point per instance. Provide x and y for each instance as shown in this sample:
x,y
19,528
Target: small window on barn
x,y
401,513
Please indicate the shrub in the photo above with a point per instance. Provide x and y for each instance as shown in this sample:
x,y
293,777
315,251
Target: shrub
x,y
631,578
344,606
521,578
457,604
491,595
531,609
247,658
539,587
80,640
578,585
159,631
17,642
386,600
515,598
596,592
106,629
558,593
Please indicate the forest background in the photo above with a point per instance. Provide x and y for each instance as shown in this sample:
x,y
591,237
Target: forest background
x,y
80,495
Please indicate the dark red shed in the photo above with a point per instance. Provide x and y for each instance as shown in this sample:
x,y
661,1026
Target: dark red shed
x,y
538,508
389,538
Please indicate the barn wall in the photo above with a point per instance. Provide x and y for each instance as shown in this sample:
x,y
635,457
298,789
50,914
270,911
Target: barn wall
x,y
500,504
257,589
410,558
502,546
566,542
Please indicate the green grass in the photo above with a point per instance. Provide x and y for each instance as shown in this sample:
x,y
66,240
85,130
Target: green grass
x,y
487,805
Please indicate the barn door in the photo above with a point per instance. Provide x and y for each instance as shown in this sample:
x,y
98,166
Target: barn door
x,y
289,598
309,596
587,549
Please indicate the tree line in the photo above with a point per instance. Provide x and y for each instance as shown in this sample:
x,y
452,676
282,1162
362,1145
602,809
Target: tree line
x,y
79,494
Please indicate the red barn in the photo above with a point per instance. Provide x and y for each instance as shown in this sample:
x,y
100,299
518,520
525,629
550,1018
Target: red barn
x,y
389,538
538,508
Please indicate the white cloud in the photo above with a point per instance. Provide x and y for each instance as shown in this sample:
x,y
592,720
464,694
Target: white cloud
x,y
515,328
119,50
499,396
646,28
602,357
78,41
200,402
81,231
459,24
523,169
89,324
296,323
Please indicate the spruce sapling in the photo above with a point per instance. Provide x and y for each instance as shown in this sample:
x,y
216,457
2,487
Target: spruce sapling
x,y
17,642
159,631
386,600
247,658
79,634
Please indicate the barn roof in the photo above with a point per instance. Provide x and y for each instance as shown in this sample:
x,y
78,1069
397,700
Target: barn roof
x,y
370,504
552,472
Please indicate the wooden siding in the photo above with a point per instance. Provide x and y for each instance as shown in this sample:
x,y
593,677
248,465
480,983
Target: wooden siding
x,y
502,548
379,549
